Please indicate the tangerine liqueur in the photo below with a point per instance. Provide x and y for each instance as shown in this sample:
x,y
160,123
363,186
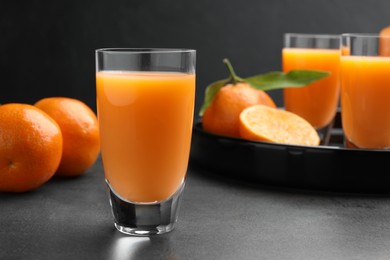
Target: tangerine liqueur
x,y
365,96
317,102
145,121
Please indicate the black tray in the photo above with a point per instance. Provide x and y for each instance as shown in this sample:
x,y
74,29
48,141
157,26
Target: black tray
x,y
328,168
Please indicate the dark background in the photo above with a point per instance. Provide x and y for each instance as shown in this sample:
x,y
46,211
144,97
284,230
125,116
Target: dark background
x,y
47,47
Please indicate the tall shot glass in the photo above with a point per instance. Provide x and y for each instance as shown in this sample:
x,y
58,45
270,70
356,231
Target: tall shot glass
x,y
145,107
365,91
317,102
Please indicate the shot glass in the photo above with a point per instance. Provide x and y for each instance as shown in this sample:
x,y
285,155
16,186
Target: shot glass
x,y
365,91
145,107
319,101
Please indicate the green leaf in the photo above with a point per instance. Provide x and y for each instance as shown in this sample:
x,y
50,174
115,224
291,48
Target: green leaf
x,y
278,80
210,92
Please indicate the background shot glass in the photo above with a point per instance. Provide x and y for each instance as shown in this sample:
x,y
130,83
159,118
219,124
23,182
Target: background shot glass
x,y
145,107
365,90
317,102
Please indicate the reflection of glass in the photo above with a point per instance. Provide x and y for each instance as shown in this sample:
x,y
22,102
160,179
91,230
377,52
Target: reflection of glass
x,y
317,102
365,91
129,247
145,105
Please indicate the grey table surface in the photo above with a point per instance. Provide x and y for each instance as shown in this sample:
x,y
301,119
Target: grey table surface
x,y
220,218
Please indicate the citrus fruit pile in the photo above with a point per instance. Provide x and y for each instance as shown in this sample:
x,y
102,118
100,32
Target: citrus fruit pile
x,y
242,108
55,136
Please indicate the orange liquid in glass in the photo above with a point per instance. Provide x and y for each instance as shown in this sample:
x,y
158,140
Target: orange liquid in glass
x,y
317,102
365,101
145,123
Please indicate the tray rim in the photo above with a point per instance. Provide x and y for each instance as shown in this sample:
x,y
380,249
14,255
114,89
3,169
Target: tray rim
x,y
198,127
293,166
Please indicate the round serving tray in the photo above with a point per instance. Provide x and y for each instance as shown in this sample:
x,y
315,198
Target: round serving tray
x,y
328,168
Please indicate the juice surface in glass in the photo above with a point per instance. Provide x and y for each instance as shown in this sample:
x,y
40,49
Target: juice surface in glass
x,y
146,123
317,102
365,100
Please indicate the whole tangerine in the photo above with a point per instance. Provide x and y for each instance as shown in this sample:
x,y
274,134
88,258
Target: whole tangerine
x,y
80,131
384,41
222,116
30,147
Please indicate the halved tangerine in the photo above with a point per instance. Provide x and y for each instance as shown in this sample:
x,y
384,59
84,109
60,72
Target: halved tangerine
x,y
264,123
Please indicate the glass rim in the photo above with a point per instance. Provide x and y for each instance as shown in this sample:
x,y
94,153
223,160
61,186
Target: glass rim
x,y
364,35
313,35
144,50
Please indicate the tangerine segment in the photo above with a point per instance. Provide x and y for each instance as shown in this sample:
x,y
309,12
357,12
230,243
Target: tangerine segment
x,y
30,147
264,123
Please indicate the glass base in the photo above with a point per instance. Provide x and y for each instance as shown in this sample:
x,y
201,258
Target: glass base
x,y
145,219
325,133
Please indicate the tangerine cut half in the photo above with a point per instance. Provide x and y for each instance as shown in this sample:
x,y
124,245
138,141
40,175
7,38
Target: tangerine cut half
x,y
264,123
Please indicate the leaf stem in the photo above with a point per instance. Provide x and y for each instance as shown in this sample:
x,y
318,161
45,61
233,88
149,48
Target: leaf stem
x,y
233,75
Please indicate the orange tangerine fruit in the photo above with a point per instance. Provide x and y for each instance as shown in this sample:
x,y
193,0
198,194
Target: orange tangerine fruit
x,y
30,147
80,131
264,123
384,41
222,116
